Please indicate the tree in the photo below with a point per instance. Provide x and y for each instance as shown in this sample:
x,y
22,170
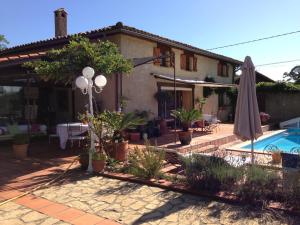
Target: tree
x,y
65,64
294,75
3,42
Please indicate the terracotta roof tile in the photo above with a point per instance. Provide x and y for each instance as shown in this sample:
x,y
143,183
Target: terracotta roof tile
x,y
119,27
3,59
23,56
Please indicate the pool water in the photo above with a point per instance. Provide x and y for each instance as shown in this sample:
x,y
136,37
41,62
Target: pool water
x,y
284,141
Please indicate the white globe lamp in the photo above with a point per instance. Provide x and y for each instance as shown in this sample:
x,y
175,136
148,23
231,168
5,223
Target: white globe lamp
x,y
81,82
100,81
88,72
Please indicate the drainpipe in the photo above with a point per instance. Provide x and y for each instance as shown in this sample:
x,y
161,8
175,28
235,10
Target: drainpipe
x,y
117,93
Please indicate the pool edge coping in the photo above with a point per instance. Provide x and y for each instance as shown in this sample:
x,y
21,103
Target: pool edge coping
x,y
238,147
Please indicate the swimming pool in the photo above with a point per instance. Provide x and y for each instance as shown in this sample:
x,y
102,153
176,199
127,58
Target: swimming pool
x,y
285,141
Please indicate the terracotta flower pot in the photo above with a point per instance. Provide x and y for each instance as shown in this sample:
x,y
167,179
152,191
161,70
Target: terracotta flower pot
x,y
276,157
185,137
163,126
98,165
135,136
118,151
20,151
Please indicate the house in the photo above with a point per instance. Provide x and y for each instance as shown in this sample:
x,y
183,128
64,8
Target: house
x,y
29,99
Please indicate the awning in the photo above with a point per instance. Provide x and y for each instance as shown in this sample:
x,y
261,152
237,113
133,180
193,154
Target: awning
x,y
191,81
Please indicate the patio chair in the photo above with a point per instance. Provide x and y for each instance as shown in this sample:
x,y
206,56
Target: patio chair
x,y
75,134
211,123
52,134
199,125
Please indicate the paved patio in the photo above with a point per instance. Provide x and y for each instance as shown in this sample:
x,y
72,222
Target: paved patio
x,y
130,203
85,199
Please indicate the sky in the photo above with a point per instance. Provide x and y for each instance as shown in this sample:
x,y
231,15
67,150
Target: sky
x,y
201,23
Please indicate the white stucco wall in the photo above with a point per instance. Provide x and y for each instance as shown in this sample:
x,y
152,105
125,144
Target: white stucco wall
x,y
140,86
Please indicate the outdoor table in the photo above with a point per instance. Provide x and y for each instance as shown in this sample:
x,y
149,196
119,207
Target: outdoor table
x,y
62,132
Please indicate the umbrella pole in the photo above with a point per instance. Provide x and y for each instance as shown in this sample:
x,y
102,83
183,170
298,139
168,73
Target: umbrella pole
x,y
252,152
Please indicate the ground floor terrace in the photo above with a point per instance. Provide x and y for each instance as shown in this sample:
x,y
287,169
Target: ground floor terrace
x,y
81,198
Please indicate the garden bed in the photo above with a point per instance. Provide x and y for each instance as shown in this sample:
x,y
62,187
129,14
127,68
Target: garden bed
x,y
257,186
185,188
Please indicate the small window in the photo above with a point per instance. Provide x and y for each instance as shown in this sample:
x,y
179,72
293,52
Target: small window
x,y
162,50
188,62
223,69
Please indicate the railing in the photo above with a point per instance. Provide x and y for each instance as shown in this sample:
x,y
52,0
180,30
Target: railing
x,y
271,148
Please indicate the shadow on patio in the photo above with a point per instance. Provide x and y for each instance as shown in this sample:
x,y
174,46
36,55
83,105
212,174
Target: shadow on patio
x,y
43,164
197,210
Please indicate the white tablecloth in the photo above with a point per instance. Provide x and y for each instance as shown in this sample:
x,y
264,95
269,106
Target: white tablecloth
x,y
62,132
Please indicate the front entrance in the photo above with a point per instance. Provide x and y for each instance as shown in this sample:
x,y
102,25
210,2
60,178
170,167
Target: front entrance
x,y
184,99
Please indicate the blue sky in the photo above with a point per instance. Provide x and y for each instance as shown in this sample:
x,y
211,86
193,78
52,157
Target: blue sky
x,y
204,24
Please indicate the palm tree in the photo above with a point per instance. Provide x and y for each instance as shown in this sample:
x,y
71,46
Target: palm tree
x,y
117,123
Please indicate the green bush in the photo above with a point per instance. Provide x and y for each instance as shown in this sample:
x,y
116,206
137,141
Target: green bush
x,y
210,173
260,184
146,162
186,117
277,87
21,139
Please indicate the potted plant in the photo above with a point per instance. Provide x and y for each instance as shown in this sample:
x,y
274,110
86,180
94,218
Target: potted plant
x,y
186,118
98,161
84,160
264,117
276,156
134,135
20,145
116,123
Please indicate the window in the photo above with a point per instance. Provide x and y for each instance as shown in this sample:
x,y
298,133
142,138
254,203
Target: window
x,y
188,62
223,69
62,100
12,104
162,50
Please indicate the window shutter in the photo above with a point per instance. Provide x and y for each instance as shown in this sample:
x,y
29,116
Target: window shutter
x,y
220,69
172,59
183,61
227,70
156,53
195,64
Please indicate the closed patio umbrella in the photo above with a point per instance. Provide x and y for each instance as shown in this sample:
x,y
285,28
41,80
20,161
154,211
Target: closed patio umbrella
x,y
247,124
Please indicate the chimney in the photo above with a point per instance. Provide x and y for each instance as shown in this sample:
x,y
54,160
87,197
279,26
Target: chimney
x,y
60,17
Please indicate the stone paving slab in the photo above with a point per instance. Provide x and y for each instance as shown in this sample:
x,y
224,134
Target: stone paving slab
x,y
15,214
133,204
31,209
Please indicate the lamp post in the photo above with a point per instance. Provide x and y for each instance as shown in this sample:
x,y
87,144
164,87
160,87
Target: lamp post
x,y
86,85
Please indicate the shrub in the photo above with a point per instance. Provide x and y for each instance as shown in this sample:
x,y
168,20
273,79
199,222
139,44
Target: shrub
x,y
259,184
291,188
146,162
277,87
98,156
210,173
21,139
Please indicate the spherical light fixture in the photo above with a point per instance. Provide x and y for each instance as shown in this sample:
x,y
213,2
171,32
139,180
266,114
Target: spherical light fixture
x,y
81,82
88,72
100,81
